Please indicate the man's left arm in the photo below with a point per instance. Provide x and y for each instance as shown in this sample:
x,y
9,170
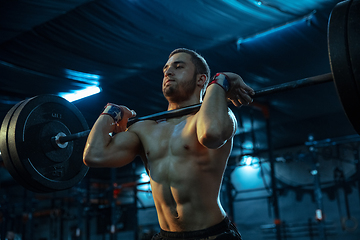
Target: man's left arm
x,y
215,122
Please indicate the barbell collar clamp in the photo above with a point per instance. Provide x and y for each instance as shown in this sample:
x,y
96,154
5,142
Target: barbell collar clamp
x,y
55,141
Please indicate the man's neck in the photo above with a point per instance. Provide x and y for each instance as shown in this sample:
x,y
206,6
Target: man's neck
x,y
177,105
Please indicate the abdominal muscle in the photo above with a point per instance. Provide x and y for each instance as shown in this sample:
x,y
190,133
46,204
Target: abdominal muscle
x,y
186,194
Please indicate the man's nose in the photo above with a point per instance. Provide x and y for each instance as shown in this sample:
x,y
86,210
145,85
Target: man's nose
x,y
168,72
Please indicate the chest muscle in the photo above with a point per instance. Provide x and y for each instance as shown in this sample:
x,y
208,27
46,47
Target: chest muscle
x,y
169,140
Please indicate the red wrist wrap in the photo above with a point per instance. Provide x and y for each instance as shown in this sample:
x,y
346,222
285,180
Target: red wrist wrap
x,y
222,80
113,111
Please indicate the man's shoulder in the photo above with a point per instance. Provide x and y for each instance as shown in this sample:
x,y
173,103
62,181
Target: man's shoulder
x,y
141,125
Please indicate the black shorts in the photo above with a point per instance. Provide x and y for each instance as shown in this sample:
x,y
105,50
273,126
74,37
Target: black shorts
x,y
225,230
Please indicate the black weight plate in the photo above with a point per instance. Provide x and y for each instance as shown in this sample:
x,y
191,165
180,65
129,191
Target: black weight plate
x,y
354,39
340,63
30,130
5,154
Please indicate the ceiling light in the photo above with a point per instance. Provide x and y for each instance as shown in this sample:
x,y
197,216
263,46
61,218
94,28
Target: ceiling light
x,y
79,94
87,83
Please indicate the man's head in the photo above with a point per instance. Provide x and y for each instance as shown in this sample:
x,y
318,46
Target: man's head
x,y
200,63
199,67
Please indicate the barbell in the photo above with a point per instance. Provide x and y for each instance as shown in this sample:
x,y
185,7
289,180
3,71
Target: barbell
x,y
42,138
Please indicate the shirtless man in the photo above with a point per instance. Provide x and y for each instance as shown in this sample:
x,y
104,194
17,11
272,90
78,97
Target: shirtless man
x,y
185,157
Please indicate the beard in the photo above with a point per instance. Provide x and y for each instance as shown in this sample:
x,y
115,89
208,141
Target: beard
x,y
179,93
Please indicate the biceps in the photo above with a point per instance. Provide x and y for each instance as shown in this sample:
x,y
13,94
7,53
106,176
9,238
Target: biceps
x,y
214,132
121,150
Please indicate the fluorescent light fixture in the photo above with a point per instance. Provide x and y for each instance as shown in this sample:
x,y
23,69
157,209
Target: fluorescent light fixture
x,y
305,18
88,83
247,160
144,185
144,177
250,161
79,94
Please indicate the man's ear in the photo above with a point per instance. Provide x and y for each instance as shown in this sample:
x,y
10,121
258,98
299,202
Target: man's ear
x,y
201,79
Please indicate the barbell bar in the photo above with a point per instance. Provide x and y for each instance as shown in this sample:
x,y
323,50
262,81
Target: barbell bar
x,y
324,78
37,135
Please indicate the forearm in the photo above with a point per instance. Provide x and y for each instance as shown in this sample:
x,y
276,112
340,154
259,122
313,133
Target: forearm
x,y
214,124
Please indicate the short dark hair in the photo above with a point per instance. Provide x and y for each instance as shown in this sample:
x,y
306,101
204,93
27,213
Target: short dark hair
x,y
201,66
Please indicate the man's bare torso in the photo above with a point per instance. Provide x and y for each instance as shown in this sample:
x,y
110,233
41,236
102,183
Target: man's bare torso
x,y
185,176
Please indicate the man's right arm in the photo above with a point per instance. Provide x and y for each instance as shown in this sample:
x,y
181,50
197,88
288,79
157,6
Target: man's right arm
x,y
103,150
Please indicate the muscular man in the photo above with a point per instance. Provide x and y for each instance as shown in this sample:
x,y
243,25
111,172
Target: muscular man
x,y
185,157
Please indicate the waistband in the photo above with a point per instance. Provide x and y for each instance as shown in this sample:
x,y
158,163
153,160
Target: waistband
x,y
207,232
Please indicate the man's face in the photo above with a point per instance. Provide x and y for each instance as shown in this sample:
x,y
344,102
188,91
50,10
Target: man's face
x,y
179,80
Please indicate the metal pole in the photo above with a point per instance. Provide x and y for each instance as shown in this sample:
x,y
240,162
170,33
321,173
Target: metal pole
x,y
275,201
357,160
88,206
113,234
318,194
62,213
136,222
4,206
79,229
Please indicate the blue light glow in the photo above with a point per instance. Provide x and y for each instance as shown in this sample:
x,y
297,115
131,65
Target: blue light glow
x,y
144,177
246,127
247,177
247,160
88,83
83,77
144,187
79,94
250,161
248,145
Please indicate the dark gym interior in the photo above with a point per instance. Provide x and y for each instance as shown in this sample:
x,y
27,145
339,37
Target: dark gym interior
x,y
294,170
